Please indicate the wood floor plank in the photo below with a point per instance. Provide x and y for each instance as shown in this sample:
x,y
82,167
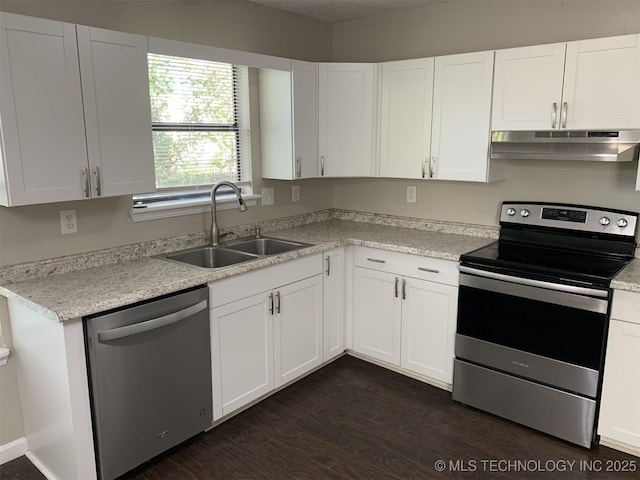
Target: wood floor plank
x,y
352,420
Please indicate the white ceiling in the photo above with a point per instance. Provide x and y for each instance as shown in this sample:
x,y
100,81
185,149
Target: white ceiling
x,y
333,11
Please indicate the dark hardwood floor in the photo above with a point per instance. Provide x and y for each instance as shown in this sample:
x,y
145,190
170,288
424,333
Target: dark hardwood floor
x,y
354,420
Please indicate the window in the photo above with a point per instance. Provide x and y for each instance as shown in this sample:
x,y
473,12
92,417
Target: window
x,y
200,123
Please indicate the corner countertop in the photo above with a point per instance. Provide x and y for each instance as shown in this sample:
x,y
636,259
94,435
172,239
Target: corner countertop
x,y
629,278
75,294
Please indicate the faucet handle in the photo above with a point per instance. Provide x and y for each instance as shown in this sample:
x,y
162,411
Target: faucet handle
x,y
222,235
257,229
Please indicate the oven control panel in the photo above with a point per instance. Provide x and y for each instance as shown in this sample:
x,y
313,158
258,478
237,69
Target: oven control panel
x,y
571,217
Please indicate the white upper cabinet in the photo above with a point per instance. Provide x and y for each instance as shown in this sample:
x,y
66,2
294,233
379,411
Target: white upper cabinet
x,y
602,84
587,84
462,118
405,118
43,136
346,115
528,87
289,122
75,112
117,112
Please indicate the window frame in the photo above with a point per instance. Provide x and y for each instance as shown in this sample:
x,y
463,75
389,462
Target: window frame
x,y
178,201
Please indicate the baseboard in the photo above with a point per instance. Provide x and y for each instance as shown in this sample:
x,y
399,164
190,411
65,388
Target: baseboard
x,y
40,466
12,450
621,446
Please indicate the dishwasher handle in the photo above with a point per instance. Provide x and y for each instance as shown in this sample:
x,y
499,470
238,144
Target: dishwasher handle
x,y
152,324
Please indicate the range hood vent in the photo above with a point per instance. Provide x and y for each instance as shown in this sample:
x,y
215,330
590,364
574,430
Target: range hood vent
x,y
598,146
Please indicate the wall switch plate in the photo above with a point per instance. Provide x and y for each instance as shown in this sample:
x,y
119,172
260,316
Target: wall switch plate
x,y
268,196
411,194
68,221
295,193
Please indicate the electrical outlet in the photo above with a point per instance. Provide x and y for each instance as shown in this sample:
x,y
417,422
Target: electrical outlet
x,y
68,221
268,196
295,193
411,194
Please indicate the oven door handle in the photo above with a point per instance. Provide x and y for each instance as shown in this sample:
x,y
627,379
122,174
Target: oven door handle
x,y
593,292
536,290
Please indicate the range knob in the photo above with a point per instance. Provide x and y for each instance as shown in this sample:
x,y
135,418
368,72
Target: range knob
x,y
524,213
604,221
511,211
622,222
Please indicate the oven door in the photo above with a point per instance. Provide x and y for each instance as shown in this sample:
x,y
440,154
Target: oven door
x,y
549,333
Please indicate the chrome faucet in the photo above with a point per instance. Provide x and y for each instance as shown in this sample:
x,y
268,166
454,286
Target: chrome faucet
x,y
214,234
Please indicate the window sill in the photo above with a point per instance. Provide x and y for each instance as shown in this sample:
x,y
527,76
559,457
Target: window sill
x,y
176,208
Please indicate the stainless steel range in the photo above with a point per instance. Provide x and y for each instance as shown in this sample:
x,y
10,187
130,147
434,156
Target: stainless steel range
x,y
533,315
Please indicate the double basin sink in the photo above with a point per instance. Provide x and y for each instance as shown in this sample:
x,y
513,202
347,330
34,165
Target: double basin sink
x,y
233,252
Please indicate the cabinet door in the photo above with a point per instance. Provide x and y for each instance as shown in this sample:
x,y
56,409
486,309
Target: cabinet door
x,y
620,410
305,119
43,135
376,315
276,124
601,83
461,116
333,301
241,353
428,328
115,89
297,329
405,131
345,111
527,89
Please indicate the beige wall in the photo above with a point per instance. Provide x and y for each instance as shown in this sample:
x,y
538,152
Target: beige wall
x,y
465,26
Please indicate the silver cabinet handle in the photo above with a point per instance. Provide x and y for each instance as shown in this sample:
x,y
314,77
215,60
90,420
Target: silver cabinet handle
x,y
424,166
278,302
565,108
404,288
271,309
85,178
328,265
554,114
429,270
322,165
96,174
298,167
376,260
153,324
396,287
432,160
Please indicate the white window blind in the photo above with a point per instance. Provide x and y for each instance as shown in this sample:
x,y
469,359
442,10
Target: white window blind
x,y
200,118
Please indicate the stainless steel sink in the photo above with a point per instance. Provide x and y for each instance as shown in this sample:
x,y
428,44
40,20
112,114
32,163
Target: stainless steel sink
x,y
211,257
264,246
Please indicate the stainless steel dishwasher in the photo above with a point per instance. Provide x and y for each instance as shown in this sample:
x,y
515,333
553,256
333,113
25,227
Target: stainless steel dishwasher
x,y
150,378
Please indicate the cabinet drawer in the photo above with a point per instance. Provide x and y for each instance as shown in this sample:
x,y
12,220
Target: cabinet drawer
x,y
626,306
246,284
416,266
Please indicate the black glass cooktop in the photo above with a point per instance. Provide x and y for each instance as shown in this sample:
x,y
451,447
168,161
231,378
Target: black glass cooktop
x,y
552,264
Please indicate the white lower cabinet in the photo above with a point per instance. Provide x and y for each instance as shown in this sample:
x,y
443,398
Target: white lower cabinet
x,y
620,409
242,353
429,313
334,303
266,330
297,329
404,311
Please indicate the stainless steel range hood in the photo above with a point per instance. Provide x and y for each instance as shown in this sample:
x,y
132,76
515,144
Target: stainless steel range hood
x,y
599,146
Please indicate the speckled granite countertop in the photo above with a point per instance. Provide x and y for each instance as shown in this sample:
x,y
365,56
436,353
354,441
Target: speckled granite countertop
x,y
75,294
629,278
